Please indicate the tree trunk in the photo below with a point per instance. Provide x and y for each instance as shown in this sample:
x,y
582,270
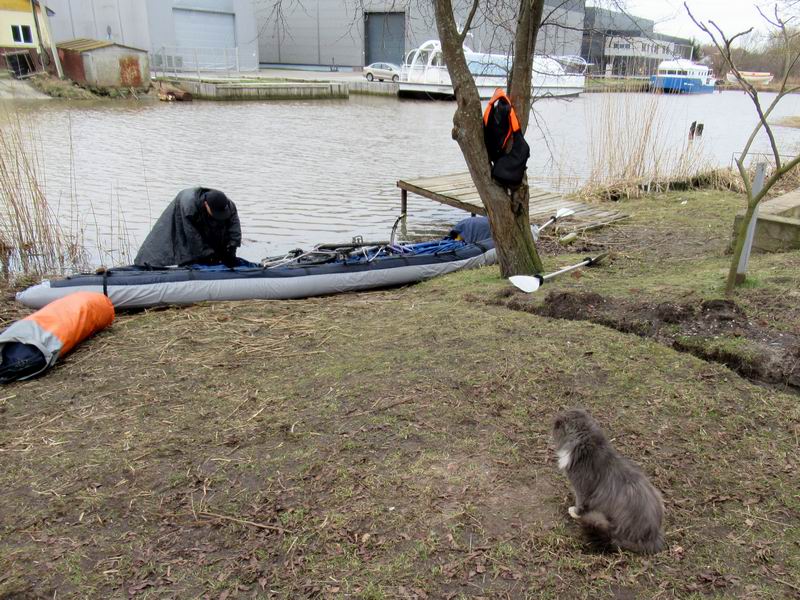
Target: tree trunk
x,y
520,80
738,247
511,228
508,213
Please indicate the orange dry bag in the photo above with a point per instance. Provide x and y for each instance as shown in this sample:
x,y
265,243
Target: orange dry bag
x,y
32,345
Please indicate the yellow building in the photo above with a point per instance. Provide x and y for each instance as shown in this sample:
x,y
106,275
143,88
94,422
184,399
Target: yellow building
x,y
19,42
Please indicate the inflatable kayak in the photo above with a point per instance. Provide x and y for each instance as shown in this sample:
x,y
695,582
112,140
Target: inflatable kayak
x,y
328,269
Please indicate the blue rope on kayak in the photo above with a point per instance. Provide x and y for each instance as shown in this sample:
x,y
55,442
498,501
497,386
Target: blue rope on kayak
x,y
420,249
367,255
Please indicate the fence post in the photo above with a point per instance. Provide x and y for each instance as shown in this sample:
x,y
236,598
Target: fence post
x,y
164,61
197,64
758,183
225,60
238,70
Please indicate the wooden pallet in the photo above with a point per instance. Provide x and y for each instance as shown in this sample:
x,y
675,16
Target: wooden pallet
x,y
457,190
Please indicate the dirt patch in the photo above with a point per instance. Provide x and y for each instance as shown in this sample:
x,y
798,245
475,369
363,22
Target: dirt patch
x,y
10,310
715,330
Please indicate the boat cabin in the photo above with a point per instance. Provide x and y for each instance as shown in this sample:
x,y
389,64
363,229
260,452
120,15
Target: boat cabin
x,y
682,76
682,68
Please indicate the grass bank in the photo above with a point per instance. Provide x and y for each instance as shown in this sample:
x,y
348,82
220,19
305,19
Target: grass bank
x,y
789,122
69,90
395,444
60,88
610,84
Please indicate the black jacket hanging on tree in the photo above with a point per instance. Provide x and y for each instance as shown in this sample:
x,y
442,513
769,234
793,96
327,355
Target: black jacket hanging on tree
x,y
507,148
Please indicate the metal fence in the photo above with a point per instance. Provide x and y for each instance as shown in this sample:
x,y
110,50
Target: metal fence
x,y
758,157
174,60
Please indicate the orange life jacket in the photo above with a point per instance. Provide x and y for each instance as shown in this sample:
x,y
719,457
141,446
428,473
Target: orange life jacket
x,y
505,145
513,122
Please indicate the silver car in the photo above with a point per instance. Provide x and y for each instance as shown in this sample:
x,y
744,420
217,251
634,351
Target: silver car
x,y
382,71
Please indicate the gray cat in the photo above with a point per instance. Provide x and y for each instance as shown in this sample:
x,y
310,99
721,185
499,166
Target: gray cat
x,y
615,503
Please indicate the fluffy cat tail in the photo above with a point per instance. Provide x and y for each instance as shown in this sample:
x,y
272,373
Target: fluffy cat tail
x,y
597,530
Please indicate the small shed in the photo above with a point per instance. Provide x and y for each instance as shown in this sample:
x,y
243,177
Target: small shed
x,y
105,64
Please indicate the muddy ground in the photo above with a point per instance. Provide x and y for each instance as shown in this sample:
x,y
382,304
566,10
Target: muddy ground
x,y
715,330
395,444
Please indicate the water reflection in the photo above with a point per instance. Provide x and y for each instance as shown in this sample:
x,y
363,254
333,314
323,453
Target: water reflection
x,y
307,172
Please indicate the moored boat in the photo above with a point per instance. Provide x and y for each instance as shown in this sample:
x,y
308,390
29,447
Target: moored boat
x,y
424,73
327,269
683,77
752,77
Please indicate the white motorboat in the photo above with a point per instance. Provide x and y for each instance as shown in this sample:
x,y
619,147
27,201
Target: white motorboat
x,y
424,73
751,77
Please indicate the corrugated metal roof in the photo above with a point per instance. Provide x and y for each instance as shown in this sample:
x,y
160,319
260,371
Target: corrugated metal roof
x,y
83,44
86,44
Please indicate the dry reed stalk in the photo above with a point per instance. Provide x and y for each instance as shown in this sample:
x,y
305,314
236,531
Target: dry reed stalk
x,y
31,239
631,150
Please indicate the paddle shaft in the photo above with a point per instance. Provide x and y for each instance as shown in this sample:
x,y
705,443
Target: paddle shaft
x,y
554,274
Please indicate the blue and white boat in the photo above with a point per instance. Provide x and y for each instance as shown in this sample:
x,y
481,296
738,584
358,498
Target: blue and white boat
x,y
681,76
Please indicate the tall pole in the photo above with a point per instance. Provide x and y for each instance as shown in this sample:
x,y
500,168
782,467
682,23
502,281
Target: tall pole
x,y
744,259
53,49
42,54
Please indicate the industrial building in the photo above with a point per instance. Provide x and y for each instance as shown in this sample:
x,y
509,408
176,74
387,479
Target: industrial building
x,y
622,45
334,34
179,34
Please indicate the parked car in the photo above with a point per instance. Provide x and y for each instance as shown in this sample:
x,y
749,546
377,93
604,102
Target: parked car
x,y
382,71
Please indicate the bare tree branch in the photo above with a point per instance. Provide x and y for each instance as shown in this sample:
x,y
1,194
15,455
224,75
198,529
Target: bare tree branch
x,y
470,17
724,46
520,81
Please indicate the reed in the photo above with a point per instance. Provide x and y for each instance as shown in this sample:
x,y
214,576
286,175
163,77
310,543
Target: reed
x,y
32,241
633,150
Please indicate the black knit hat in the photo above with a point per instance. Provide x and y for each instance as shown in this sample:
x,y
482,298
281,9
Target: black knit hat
x,y
218,204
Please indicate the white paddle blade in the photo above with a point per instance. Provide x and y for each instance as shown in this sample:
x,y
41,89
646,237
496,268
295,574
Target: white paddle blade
x,y
562,213
525,282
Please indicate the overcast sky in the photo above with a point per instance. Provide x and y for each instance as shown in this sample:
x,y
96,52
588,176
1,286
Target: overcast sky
x,y
670,16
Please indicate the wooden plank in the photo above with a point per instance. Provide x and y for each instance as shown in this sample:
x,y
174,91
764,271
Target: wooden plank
x,y
555,203
425,181
550,209
458,190
433,178
535,193
428,182
457,185
548,198
455,191
446,188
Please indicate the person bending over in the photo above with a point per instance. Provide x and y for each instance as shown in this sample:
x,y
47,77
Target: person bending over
x,y
200,226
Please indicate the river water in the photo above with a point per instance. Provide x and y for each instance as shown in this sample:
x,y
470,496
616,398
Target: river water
x,y
307,172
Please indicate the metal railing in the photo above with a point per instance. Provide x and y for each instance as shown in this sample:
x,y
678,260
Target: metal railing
x,y
176,60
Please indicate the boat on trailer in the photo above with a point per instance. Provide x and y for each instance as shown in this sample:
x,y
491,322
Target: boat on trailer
x,y
424,73
327,269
